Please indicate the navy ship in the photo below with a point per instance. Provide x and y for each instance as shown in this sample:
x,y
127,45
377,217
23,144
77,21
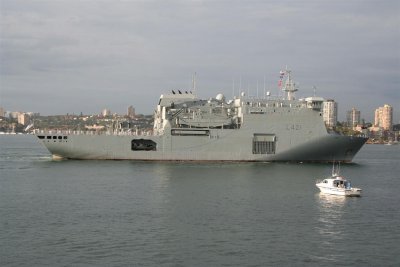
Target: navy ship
x,y
187,128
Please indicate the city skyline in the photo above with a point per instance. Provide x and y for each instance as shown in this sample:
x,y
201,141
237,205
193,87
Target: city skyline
x,y
329,112
80,56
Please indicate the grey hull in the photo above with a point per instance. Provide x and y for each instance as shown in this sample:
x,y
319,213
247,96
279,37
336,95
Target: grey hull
x,y
323,149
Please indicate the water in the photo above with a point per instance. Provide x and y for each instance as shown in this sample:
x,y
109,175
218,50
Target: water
x,y
125,213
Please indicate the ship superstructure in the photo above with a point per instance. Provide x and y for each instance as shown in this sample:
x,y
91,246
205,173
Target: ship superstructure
x,y
187,128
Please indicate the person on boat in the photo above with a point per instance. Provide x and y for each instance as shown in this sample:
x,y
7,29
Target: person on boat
x,y
347,185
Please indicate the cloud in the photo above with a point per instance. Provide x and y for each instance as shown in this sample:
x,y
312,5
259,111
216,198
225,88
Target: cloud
x,y
140,49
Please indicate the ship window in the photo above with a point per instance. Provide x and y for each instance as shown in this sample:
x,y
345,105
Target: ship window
x,y
143,145
65,137
264,144
48,137
41,137
60,137
54,137
190,132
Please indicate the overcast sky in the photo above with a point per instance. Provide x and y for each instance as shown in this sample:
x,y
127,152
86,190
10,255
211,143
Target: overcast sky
x,y
69,56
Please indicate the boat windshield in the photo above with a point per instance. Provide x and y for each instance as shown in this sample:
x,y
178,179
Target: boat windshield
x,y
339,183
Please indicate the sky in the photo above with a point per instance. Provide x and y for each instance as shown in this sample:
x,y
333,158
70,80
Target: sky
x,y
69,56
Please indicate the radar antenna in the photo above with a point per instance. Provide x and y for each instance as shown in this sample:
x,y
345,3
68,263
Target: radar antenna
x,y
290,86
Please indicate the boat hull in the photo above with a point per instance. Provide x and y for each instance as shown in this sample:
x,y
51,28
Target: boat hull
x,y
352,192
223,145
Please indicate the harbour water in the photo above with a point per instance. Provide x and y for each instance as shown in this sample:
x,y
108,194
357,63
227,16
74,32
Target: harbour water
x,y
126,213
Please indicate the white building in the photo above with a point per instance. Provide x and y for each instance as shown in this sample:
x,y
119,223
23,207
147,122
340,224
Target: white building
x,y
106,112
384,117
2,112
330,111
353,117
23,118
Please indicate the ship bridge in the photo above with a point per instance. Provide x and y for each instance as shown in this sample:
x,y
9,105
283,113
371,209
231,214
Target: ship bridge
x,y
173,98
314,102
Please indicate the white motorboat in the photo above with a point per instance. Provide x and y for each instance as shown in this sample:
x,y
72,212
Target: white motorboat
x,y
338,185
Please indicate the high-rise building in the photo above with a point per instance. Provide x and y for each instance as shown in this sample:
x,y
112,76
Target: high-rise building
x,y
384,117
131,112
106,112
23,118
14,115
2,112
353,117
330,110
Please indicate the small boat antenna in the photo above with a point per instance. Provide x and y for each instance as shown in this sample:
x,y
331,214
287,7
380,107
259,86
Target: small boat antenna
x,y
335,168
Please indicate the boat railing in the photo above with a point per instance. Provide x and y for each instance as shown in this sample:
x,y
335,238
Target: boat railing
x,y
81,132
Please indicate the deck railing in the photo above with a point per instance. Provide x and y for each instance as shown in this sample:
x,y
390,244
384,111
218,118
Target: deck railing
x,y
81,132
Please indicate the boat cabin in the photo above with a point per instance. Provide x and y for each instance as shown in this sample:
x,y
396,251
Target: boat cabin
x,y
340,183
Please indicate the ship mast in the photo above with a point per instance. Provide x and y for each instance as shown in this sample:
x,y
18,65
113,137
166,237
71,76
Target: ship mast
x,y
289,86
194,83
